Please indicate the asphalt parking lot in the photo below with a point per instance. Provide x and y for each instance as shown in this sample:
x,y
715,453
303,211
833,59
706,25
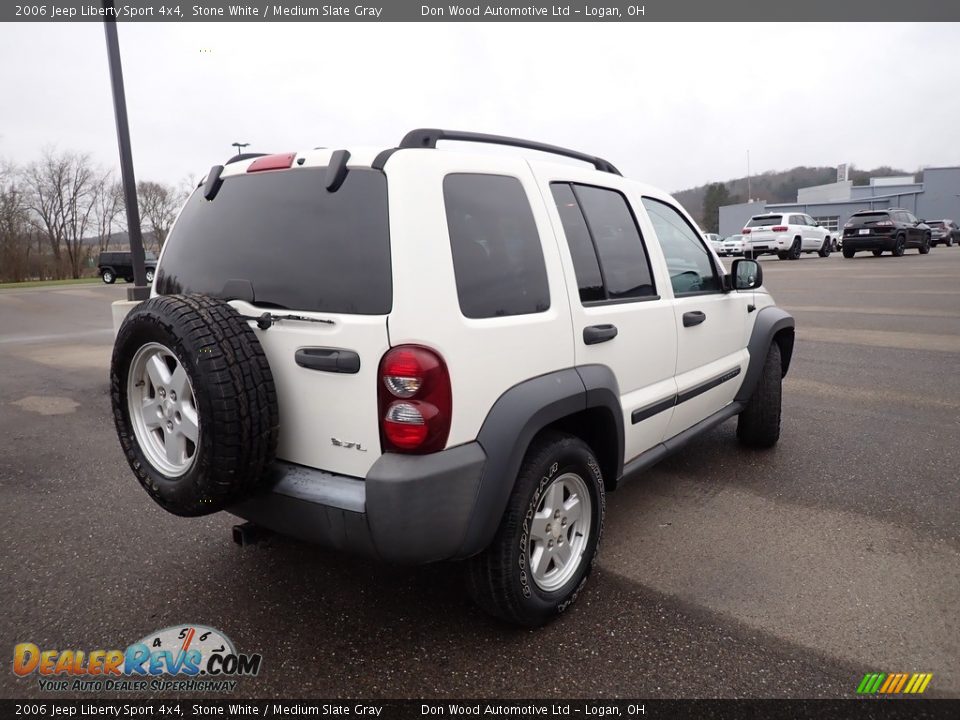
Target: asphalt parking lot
x,y
723,572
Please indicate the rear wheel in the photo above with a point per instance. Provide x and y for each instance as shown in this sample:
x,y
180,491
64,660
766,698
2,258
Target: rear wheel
x,y
795,249
848,253
899,246
783,255
108,277
759,423
149,276
547,541
877,253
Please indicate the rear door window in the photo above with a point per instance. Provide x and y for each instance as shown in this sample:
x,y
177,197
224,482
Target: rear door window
x,y
290,241
605,243
497,257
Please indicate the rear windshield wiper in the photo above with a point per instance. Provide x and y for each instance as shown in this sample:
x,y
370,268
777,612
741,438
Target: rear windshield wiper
x,y
268,319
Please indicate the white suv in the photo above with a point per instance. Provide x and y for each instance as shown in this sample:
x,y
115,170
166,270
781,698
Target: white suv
x,y
787,235
424,355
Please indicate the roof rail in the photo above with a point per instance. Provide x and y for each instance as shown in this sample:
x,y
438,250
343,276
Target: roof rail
x,y
428,138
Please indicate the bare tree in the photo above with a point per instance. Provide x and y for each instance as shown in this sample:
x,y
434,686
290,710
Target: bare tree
x,y
159,204
61,198
108,207
15,244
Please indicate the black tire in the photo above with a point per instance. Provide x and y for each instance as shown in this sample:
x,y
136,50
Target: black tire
x,y
925,246
795,250
877,253
108,277
149,275
783,255
234,395
949,241
759,424
899,246
498,579
825,249
848,253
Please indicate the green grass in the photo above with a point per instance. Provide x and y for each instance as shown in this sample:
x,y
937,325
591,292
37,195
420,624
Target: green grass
x,y
47,283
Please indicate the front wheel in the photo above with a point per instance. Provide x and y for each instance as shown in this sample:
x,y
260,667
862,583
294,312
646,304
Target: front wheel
x,y
149,276
759,423
108,277
547,541
925,246
825,249
877,253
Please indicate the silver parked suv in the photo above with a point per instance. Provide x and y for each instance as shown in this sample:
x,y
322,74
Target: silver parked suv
x,y
426,355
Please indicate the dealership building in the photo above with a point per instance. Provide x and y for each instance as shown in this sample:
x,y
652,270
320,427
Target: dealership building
x,y
935,195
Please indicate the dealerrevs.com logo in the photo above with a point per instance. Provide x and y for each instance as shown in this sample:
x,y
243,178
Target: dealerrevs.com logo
x,y
181,658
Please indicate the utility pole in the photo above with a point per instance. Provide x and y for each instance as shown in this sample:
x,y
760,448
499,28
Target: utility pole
x,y
749,191
140,290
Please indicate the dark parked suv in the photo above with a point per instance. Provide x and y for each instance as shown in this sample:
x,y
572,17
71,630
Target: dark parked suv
x,y
113,265
893,229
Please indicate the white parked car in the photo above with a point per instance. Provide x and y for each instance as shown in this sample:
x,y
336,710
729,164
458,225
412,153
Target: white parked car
x,y
786,235
421,355
714,240
732,245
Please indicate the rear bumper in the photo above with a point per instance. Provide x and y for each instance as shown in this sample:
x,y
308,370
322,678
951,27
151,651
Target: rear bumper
x,y
870,242
409,509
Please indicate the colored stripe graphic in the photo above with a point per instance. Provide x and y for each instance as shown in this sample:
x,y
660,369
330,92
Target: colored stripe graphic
x,y
894,683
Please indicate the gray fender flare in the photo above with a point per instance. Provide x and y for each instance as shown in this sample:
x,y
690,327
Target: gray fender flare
x,y
770,322
512,423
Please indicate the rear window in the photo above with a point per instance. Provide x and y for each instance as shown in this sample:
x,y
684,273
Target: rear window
x,y
765,220
298,245
869,217
497,258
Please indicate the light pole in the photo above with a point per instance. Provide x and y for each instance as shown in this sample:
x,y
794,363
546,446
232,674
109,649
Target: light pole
x,y
139,291
239,146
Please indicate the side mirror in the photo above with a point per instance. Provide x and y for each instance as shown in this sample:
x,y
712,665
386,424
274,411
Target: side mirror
x,y
746,274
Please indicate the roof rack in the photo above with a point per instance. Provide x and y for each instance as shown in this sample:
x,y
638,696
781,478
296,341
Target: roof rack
x,y
428,138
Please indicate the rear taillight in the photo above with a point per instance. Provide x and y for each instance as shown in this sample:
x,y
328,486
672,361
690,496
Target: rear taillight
x,y
745,231
780,228
884,223
281,161
414,400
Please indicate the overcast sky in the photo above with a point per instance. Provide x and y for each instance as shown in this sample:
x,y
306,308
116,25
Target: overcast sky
x,y
672,105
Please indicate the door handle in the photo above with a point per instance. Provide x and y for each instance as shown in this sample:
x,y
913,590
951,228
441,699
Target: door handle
x,y
695,317
328,360
599,333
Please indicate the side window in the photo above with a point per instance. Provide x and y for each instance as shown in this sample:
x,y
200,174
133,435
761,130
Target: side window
x,y
599,222
497,257
797,220
585,264
809,221
911,218
688,260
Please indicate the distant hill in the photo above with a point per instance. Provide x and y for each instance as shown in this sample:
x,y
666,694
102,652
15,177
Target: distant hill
x,y
779,187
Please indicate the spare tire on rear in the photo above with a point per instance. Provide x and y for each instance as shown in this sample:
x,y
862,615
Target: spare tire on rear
x,y
194,403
